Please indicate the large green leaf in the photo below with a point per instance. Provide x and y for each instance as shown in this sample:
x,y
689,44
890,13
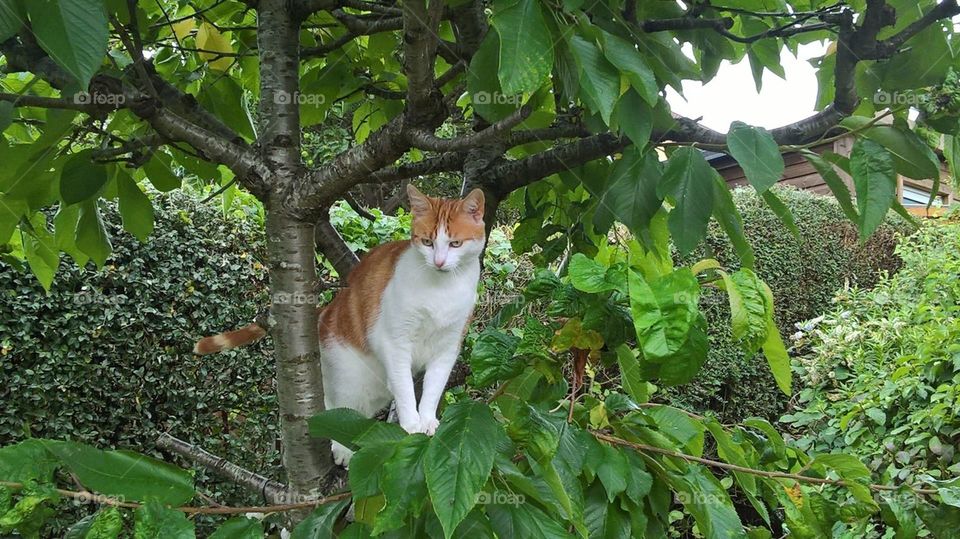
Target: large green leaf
x,y
73,32
599,80
749,310
491,358
92,237
777,358
633,117
688,180
592,277
40,249
403,484
239,528
459,459
319,524
81,178
526,46
625,56
12,18
837,186
524,520
124,474
664,311
159,171
728,216
346,426
782,212
154,521
27,461
911,156
708,502
630,377
224,97
630,195
136,211
757,153
875,181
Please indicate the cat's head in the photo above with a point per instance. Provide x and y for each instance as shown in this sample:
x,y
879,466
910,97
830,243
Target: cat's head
x,y
447,232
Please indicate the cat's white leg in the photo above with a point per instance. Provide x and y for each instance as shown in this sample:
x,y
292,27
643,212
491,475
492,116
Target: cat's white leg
x,y
351,379
434,382
396,358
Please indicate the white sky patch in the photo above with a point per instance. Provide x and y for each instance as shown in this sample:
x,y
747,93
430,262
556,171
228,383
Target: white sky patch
x,y
732,95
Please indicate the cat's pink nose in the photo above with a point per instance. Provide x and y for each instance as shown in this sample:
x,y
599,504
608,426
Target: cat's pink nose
x,y
439,261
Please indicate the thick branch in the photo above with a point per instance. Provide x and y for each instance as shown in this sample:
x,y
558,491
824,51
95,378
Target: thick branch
x,y
272,491
425,140
78,102
448,162
420,26
331,244
943,10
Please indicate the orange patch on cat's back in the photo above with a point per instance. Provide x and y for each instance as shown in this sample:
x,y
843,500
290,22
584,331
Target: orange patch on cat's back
x,y
353,311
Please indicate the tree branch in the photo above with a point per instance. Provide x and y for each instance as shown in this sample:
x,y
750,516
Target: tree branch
x,y
330,243
272,491
448,162
78,102
425,140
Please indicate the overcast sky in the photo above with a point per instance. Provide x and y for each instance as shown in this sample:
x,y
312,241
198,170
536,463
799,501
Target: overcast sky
x,y
732,95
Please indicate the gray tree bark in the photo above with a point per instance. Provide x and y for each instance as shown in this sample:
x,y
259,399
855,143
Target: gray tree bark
x,y
291,244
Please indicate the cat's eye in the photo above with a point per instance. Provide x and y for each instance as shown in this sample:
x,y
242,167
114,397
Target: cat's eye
x,y
428,243
456,243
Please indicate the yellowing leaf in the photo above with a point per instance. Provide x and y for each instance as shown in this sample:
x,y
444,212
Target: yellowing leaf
x,y
211,42
183,28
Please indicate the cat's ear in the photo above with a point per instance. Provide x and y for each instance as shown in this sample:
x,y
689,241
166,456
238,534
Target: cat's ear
x,y
419,202
473,204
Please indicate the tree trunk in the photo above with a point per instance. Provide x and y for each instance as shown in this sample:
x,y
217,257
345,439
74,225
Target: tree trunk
x,y
292,251
293,286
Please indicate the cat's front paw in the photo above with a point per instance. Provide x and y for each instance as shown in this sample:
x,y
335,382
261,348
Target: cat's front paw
x,y
341,454
428,425
411,425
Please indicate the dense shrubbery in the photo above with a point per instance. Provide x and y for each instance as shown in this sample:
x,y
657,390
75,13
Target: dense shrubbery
x,y
883,367
804,274
105,357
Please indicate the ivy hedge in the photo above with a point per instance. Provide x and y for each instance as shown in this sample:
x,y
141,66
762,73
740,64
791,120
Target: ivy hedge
x,y
804,273
105,357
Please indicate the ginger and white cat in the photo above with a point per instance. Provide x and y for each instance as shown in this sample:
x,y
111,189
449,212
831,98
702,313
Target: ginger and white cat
x,y
404,311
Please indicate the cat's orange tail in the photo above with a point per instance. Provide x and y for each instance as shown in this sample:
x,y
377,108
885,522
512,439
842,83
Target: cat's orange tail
x,y
231,339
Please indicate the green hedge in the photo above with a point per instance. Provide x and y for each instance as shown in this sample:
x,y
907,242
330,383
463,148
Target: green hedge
x,y
804,275
105,357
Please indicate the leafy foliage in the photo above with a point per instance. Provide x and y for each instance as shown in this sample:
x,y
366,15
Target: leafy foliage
x,y
881,369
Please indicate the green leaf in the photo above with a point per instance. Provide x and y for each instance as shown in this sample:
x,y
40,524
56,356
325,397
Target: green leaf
x,y
599,81
81,178
136,211
124,474
592,277
6,108
487,97
704,498
459,459
27,461
837,186
403,483
875,181
526,46
782,212
853,472
634,118
625,56
911,156
943,521
159,171
664,311
320,523
106,524
757,153
224,97
11,210
92,238
155,521
630,195
749,310
40,249
630,377
239,528
728,216
73,32
605,520
491,358
524,520
688,180
346,426
12,18
777,358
